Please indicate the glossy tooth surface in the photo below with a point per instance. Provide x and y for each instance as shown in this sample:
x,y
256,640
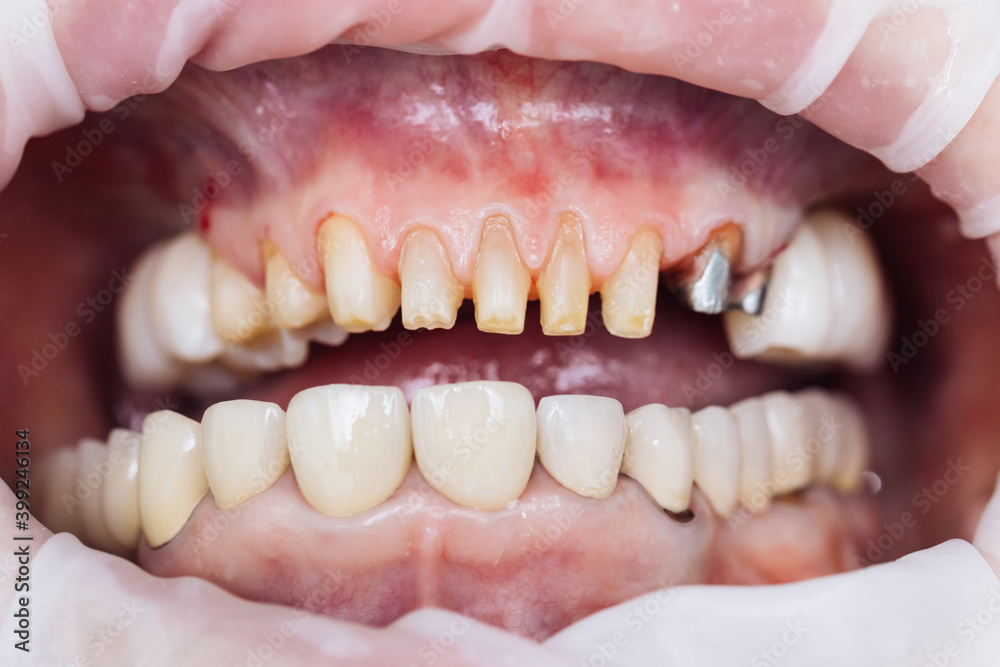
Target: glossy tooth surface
x,y
659,454
564,284
475,442
717,457
271,351
628,298
243,448
359,297
756,485
121,489
431,294
92,474
788,425
581,440
239,309
295,304
501,283
171,474
350,445
181,301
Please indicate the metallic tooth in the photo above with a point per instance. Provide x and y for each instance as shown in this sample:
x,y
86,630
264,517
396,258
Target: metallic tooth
x,y
704,283
748,292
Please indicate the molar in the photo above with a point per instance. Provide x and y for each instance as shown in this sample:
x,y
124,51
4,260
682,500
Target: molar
x,y
431,294
564,284
717,457
628,298
501,283
238,306
658,454
121,488
294,303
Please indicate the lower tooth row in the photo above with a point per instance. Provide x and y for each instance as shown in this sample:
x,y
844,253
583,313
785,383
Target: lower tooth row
x,y
351,446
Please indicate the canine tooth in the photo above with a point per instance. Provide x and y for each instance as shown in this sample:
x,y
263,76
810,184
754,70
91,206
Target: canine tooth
x,y
628,298
431,294
121,488
91,475
755,488
172,476
360,298
180,301
788,425
475,442
564,285
704,283
243,448
717,457
501,283
581,440
239,309
350,445
658,454
295,304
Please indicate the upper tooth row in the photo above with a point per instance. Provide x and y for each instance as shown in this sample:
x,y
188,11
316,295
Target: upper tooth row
x,y
351,446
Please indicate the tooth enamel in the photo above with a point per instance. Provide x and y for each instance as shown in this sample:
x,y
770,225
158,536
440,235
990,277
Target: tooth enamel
x,y
852,460
658,454
243,448
788,425
180,303
717,457
628,298
581,440
271,351
238,306
294,303
350,445
755,453
121,488
360,298
475,442
171,474
501,283
431,294
564,285
92,473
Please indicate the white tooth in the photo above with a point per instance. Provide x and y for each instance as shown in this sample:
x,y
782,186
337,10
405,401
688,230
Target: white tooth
x,y
239,310
756,486
171,474
295,303
325,331
350,445
788,428
581,440
360,298
431,294
659,454
564,284
717,457
121,489
271,351
852,461
825,444
501,284
180,300
475,442
628,298
243,448
93,471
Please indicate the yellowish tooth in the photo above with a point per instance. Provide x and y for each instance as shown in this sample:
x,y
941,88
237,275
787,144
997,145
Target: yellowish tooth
x,y
91,475
172,476
564,285
360,298
431,294
294,304
856,444
121,489
628,298
239,309
501,283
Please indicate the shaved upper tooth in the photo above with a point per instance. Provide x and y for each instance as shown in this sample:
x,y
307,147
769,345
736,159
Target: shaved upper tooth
x,y
431,294
360,298
475,442
501,283
180,300
294,303
171,474
350,445
717,457
243,448
92,473
239,308
628,298
788,425
581,440
121,488
703,283
756,485
659,454
564,284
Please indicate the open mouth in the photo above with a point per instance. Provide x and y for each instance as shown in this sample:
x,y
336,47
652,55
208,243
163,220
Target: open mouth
x,y
575,354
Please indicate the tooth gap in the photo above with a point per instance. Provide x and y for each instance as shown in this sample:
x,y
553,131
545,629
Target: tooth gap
x,y
687,516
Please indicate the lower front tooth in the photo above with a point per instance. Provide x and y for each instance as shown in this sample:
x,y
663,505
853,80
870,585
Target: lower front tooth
x,y
564,284
788,427
238,306
658,454
628,298
475,442
350,445
500,284
243,447
121,488
431,294
172,476
295,303
717,457
581,440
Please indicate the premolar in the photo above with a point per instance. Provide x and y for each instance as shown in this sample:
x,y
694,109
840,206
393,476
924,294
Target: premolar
x,y
501,283
658,454
294,303
238,306
717,457
121,488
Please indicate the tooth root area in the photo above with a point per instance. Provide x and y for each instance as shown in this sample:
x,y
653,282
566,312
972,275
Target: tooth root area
x,y
659,454
628,298
360,298
827,300
501,283
239,308
431,294
564,284
581,440
294,304
717,457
